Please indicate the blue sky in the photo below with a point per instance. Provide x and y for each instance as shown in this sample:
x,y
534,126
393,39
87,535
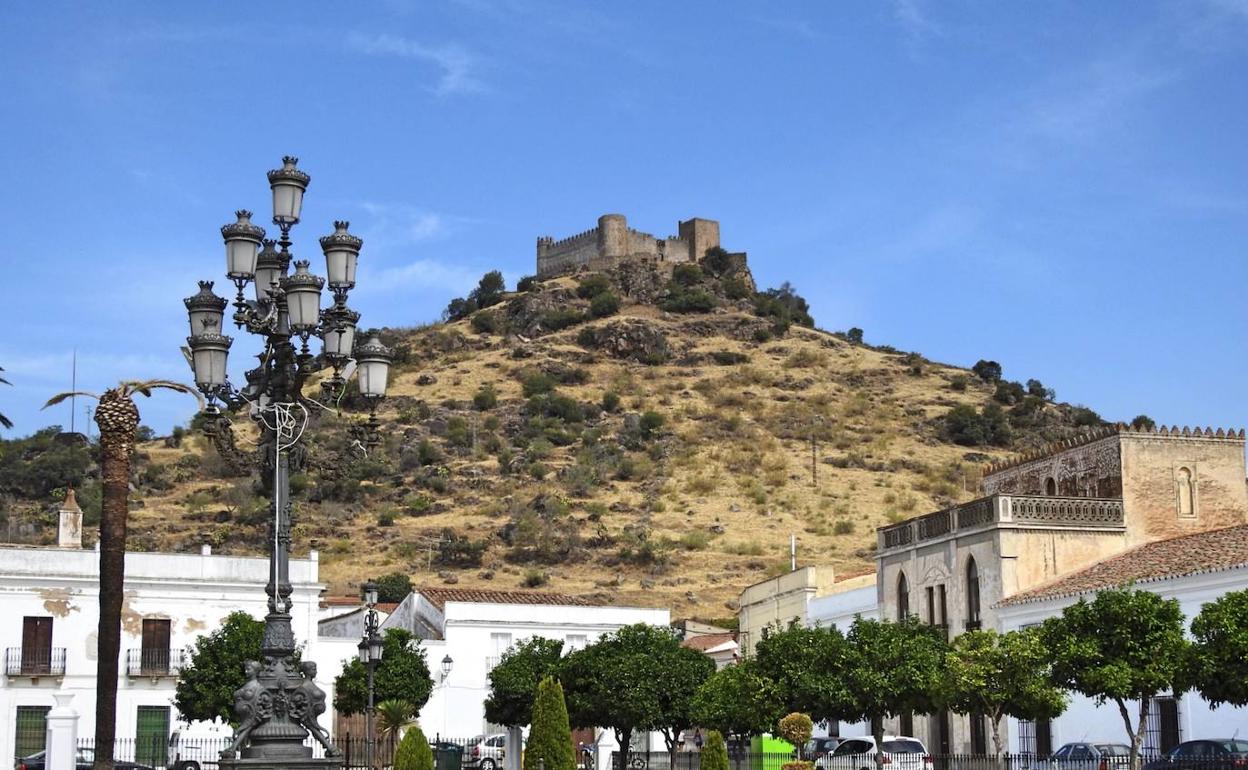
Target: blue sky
x,y
1062,187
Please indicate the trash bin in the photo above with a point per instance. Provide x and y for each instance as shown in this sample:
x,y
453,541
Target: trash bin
x,y
449,756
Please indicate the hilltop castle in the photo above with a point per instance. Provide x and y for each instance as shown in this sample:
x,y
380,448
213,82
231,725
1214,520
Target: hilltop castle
x,y
613,241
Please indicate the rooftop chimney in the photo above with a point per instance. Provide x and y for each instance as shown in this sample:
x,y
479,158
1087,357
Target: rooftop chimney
x,y
69,533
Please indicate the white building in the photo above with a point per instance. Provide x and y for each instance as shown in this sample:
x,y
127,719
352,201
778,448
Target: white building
x,y
51,595
1195,569
474,628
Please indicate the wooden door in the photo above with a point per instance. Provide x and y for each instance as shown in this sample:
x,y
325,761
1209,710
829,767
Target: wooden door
x,y
154,656
36,645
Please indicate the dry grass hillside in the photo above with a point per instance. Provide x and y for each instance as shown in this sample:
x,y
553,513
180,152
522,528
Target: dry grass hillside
x,y
647,457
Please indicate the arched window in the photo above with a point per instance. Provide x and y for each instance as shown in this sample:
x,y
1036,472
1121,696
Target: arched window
x,y
903,597
972,594
1183,486
1050,487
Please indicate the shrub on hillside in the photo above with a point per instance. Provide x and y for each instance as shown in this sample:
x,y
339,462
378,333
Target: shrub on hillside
x,y
487,322
527,283
534,382
485,398
687,274
784,306
560,318
736,288
1143,422
988,371
456,550
1009,393
604,304
684,300
593,285
854,335
989,426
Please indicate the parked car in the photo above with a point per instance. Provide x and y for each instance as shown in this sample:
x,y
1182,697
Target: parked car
x,y
485,752
83,761
1204,754
820,747
1089,756
901,752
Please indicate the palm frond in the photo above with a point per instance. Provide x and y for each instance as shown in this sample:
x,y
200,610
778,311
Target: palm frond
x,y
2,380
5,422
145,388
59,397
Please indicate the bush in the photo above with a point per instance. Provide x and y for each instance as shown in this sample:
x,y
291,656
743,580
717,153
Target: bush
x,y
784,305
550,736
736,288
604,304
593,285
459,308
687,274
1143,422
489,289
393,587
681,300
854,335
714,753
718,261
459,551
485,398
989,426
487,323
560,318
988,371
535,578
1084,417
385,519
413,752
843,527
610,401
527,283
1037,389
1009,393
534,382
651,422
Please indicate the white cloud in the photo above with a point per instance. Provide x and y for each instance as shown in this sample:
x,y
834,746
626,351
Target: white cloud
x,y
423,274
1092,99
458,65
914,19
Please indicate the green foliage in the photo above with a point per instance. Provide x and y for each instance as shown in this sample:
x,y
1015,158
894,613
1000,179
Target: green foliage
x,y
737,700
687,274
718,261
1124,645
514,681
205,688
535,578
795,728
715,752
1143,422
455,550
550,738
681,299
988,371
651,423
1000,675
784,306
489,289
806,666
1083,417
527,283
854,335
987,427
592,285
393,587
684,671
34,466
610,401
485,398
488,322
892,668
959,383
560,318
413,752
1036,388
534,382
736,288
1009,392
392,716
402,675
604,304
1220,652
459,308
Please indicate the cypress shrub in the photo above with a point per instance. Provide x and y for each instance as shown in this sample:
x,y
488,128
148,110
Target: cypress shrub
x,y
714,753
413,752
550,736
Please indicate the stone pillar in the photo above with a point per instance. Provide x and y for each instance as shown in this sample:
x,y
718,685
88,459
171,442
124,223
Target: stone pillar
x,y
69,531
513,755
62,736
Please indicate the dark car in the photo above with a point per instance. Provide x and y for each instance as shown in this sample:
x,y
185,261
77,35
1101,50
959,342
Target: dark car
x,y
821,747
1090,756
83,762
1204,754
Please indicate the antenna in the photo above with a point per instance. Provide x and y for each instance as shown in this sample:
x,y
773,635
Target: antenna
x,y
793,553
73,400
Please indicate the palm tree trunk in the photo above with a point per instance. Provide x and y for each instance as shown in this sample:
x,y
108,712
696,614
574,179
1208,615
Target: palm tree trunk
x,y
118,420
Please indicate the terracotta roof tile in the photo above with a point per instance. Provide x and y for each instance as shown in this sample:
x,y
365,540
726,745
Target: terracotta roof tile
x,y
1211,551
438,597
704,642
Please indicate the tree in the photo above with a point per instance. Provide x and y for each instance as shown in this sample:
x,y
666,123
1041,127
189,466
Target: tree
x,y
489,290
5,422
514,681
402,675
459,308
393,587
1143,422
205,688
784,305
1036,388
684,670
1125,645
550,738
714,753
1219,669
995,675
988,371
413,752
737,700
805,665
118,420
617,682
854,335
796,729
990,425
892,669
392,717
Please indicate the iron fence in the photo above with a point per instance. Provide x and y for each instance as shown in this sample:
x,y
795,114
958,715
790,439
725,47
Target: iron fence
x,y
145,661
203,753
748,760
34,661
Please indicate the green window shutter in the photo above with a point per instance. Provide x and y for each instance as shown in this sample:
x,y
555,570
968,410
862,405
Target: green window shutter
x,y
32,729
151,736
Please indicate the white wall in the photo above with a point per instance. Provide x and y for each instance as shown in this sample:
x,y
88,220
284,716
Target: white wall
x,y
194,591
1085,721
840,609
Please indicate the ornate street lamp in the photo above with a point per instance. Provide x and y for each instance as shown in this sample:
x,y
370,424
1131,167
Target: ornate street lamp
x,y
370,656
280,705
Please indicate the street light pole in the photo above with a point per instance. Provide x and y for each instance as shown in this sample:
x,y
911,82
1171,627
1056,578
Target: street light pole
x,y
279,706
370,650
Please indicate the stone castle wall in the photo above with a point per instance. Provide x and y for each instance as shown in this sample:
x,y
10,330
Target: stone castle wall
x,y
613,241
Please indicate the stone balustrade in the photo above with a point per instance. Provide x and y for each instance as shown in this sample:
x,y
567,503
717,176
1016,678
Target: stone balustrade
x,y
1011,510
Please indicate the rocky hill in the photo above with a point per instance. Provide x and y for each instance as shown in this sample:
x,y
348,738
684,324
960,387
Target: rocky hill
x,y
640,435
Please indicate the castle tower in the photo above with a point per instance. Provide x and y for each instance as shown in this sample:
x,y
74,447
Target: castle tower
x,y
700,234
69,532
612,236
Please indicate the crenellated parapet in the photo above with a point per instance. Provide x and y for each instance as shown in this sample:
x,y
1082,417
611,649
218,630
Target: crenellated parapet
x,y
613,242
1057,447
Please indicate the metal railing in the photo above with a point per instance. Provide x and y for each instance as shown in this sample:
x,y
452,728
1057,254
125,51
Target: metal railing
x,y
1025,510
145,661
27,661
746,760
178,753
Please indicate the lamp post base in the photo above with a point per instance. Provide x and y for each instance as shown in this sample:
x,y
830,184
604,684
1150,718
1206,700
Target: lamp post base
x,y
280,763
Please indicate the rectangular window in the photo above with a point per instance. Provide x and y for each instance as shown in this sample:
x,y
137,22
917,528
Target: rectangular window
x,y
574,642
32,730
979,735
931,606
151,736
500,643
154,655
36,645
943,606
1162,731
